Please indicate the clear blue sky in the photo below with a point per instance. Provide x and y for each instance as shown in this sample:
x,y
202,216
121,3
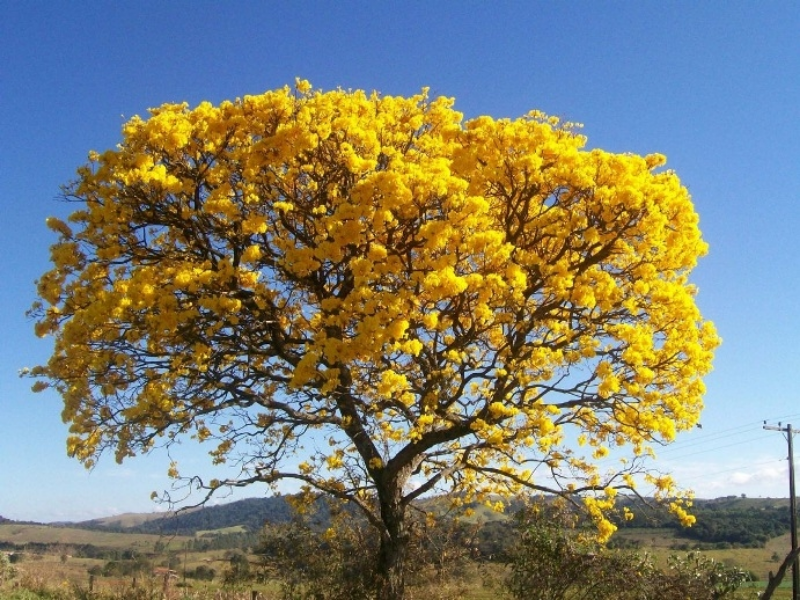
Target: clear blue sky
x,y
713,85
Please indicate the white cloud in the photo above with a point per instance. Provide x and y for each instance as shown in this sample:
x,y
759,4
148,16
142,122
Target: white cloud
x,y
763,476
741,478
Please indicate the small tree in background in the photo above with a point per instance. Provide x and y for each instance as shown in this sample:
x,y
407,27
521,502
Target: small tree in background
x,y
444,304
238,570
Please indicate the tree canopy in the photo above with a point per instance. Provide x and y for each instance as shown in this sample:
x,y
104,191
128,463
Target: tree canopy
x,y
373,296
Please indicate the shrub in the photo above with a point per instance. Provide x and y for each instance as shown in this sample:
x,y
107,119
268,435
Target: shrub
x,y
7,570
335,564
554,559
202,573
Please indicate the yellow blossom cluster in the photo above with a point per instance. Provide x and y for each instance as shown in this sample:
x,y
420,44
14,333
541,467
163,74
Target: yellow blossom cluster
x,y
434,295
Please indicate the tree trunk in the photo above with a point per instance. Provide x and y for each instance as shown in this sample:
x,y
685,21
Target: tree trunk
x,y
394,548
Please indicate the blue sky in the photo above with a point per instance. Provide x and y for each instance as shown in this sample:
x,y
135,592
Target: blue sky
x,y
713,85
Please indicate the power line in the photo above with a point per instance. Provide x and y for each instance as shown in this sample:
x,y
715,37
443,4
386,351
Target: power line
x,y
723,433
730,432
715,448
699,440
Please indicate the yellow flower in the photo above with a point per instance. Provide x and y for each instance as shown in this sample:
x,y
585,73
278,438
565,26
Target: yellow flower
x,y
302,86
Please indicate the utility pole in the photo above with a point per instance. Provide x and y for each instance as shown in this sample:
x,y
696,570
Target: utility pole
x,y
792,504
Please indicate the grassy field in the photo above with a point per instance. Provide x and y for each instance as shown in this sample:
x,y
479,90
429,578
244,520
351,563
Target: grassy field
x,y
221,531
51,579
63,583
57,570
20,534
660,543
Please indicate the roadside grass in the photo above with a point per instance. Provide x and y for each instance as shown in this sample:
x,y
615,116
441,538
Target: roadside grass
x,y
53,580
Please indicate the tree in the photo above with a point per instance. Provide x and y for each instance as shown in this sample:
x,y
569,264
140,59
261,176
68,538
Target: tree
x,y
238,570
404,300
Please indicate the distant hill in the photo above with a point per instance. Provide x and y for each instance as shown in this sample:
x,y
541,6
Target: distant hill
x,y
123,521
722,522
250,514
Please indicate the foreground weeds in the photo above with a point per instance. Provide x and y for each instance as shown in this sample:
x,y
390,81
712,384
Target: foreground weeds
x,y
81,593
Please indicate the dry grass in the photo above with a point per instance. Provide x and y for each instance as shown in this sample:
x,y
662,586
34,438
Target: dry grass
x,y
67,575
21,534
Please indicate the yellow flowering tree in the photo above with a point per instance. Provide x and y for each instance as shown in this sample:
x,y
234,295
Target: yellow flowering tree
x,y
407,301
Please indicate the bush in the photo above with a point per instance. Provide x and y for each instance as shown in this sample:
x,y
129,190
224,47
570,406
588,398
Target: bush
x,y
7,570
202,573
337,564
554,559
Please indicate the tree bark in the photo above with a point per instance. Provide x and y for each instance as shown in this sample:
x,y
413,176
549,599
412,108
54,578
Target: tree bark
x,y
393,550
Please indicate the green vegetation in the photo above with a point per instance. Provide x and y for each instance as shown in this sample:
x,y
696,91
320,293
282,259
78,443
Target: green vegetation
x,y
490,555
7,570
553,559
729,522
